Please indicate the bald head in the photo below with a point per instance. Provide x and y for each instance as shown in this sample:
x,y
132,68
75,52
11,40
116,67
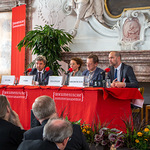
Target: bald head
x,y
114,58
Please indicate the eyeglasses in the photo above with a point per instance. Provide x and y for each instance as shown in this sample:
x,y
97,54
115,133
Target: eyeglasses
x,y
89,64
69,139
72,64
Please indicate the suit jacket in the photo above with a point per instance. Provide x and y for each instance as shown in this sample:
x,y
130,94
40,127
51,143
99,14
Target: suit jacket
x,y
10,135
127,73
45,76
37,145
78,73
96,76
77,142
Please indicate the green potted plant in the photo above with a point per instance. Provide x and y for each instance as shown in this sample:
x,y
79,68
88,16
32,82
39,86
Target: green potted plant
x,y
48,42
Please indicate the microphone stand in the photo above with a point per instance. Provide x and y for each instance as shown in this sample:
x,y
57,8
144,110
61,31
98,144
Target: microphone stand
x,y
104,81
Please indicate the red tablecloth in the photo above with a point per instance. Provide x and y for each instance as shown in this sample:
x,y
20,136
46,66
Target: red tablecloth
x,y
88,104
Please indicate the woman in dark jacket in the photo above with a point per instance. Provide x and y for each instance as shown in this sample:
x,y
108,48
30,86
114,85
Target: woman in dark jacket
x,y
11,130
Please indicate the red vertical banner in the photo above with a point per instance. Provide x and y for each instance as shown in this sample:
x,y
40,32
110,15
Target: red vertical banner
x,y
18,33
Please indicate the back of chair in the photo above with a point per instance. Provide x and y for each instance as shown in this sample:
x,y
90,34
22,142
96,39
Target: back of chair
x,y
141,89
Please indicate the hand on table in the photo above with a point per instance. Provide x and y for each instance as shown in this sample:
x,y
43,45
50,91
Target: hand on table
x,y
117,84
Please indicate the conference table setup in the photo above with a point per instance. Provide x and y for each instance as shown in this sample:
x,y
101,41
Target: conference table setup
x,y
93,105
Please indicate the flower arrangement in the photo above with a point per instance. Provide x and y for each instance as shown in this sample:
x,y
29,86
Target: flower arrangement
x,y
88,132
108,137
139,139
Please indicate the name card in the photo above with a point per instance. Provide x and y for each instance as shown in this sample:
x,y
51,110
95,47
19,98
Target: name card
x,y
55,81
25,80
9,80
76,81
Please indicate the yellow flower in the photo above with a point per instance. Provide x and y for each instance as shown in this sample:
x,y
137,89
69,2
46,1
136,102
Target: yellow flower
x,y
146,130
88,132
83,130
146,139
139,133
86,127
137,141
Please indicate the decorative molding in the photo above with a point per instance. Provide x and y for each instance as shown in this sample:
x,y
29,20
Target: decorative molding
x,y
139,60
7,5
49,12
131,29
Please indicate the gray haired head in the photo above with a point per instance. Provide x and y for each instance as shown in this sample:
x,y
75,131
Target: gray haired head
x,y
57,130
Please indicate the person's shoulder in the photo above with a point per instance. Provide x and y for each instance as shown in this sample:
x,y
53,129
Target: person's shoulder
x,y
79,73
126,66
84,72
30,144
33,71
99,69
35,129
49,71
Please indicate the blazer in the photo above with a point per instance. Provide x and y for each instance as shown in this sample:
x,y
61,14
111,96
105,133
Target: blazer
x,y
77,142
78,73
96,76
45,76
37,145
10,135
126,73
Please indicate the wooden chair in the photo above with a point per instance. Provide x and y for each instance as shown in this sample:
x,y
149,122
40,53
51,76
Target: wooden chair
x,y
146,113
139,110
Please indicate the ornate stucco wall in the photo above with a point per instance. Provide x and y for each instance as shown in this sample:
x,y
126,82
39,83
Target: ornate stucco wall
x,y
5,43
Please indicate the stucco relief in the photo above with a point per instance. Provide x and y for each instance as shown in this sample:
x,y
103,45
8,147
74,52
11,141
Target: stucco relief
x,y
49,11
131,30
84,9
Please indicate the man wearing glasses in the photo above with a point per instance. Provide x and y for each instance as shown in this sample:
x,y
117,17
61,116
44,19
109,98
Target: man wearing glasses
x,y
92,71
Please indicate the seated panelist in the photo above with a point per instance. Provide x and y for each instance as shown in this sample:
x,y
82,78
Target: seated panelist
x,y
75,64
121,75
42,75
92,71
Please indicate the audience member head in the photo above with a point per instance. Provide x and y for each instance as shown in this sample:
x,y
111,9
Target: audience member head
x,y
114,58
58,131
40,62
76,63
92,62
43,107
5,109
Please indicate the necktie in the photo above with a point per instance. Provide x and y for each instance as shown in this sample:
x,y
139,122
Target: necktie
x,y
115,74
39,77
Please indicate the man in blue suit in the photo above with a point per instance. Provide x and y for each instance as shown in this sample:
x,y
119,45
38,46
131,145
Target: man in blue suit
x,y
92,71
41,75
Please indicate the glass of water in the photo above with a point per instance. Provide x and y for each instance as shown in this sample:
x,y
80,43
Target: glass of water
x,y
108,83
86,81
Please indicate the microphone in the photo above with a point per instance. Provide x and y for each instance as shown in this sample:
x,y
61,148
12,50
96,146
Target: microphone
x,y
69,70
46,69
106,70
28,70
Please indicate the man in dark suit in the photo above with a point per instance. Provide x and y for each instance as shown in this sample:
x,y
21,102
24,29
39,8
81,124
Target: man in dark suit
x,y
56,135
92,71
121,75
41,75
43,109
